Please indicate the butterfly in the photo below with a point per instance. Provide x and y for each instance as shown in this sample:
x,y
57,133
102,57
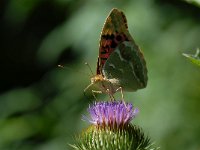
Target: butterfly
x,y
121,64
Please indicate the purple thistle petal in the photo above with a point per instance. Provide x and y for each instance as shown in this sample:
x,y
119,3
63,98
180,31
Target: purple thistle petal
x,y
112,114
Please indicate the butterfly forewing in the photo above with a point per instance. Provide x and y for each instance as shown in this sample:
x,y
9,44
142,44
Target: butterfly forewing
x,y
113,33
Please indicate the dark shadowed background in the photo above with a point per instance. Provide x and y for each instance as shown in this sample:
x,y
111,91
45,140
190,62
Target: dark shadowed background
x,y
41,104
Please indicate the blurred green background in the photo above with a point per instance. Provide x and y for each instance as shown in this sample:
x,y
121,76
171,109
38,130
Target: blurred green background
x,y
41,104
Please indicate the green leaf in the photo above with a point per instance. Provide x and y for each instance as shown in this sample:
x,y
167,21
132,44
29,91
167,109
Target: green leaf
x,y
194,58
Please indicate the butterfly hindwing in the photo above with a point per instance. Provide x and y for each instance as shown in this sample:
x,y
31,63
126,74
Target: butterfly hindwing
x,y
127,65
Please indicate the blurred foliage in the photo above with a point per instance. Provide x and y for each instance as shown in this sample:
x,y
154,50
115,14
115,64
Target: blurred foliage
x,y
41,104
195,2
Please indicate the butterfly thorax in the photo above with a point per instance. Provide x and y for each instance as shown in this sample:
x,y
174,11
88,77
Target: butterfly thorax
x,y
97,78
105,85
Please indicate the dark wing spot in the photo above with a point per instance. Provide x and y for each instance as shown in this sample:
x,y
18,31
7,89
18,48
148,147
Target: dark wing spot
x,y
104,58
112,36
103,50
125,38
118,38
125,21
103,36
113,44
107,36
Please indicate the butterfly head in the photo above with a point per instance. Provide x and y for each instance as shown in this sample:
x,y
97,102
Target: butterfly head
x,y
97,78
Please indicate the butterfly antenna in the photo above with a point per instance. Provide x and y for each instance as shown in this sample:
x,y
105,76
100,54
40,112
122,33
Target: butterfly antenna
x,y
69,68
89,68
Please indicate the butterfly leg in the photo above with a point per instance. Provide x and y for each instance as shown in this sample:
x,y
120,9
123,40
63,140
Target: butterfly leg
x,y
93,91
112,98
120,88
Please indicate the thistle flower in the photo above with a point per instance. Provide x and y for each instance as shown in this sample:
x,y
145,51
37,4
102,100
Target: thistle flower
x,y
111,129
115,114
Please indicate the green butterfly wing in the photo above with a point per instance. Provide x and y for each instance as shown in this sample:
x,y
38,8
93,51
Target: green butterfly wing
x,y
127,65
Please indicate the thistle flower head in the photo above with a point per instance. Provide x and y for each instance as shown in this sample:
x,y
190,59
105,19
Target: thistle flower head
x,y
111,129
112,114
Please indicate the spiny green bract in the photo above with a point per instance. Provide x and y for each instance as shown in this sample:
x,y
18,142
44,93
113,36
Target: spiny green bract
x,y
127,138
